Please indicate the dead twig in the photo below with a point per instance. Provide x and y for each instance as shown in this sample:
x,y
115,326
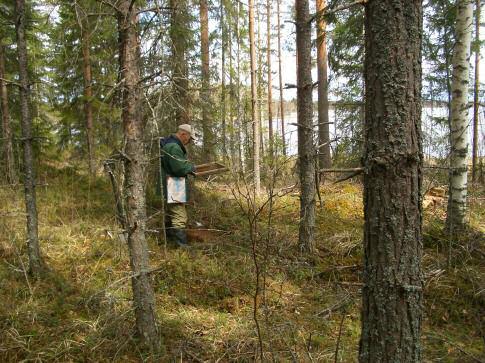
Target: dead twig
x,y
446,340
339,336
342,303
24,269
125,278
120,215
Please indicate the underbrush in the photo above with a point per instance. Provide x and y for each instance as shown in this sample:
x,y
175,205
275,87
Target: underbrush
x,y
307,306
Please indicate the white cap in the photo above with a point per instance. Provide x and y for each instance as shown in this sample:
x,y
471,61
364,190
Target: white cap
x,y
187,128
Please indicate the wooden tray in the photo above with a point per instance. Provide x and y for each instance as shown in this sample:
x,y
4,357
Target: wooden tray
x,y
210,169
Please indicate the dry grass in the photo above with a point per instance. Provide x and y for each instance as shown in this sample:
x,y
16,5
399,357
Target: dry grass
x,y
81,310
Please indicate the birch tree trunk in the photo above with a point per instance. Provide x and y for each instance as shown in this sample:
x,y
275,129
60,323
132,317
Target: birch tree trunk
x,y
35,259
324,158
306,150
476,92
10,171
392,292
208,136
282,108
456,213
134,193
254,102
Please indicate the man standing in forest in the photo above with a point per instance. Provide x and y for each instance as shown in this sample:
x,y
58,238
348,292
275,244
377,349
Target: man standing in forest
x,y
175,169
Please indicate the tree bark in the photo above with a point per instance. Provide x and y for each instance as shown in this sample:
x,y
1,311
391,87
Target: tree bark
x,y
270,85
476,92
392,161
88,106
447,51
178,37
208,137
134,193
254,102
232,126
282,108
456,213
10,171
240,108
223,80
324,159
259,81
88,90
306,152
35,260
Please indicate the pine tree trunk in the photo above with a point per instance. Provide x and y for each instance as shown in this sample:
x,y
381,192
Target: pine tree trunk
x,y
178,28
456,213
240,108
208,137
306,152
35,259
324,159
259,81
134,193
223,80
248,136
239,103
254,102
270,85
88,106
232,126
88,90
282,108
476,92
392,293
10,171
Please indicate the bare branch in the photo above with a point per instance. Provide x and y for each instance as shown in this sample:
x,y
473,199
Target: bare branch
x,y
9,81
348,170
328,142
350,176
327,11
300,125
157,9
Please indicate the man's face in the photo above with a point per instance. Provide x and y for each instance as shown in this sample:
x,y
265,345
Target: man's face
x,y
184,137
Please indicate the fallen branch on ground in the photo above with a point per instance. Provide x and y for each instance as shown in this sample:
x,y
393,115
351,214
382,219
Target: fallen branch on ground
x,y
342,303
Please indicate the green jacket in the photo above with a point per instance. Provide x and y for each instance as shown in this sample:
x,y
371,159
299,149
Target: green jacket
x,y
174,161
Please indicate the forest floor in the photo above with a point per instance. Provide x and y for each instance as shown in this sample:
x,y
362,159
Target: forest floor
x,y
308,308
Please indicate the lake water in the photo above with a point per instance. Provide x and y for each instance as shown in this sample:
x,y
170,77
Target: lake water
x,y
435,133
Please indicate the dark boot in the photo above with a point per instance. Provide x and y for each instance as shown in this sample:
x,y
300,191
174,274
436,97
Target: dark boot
x,y
180,237
169,233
